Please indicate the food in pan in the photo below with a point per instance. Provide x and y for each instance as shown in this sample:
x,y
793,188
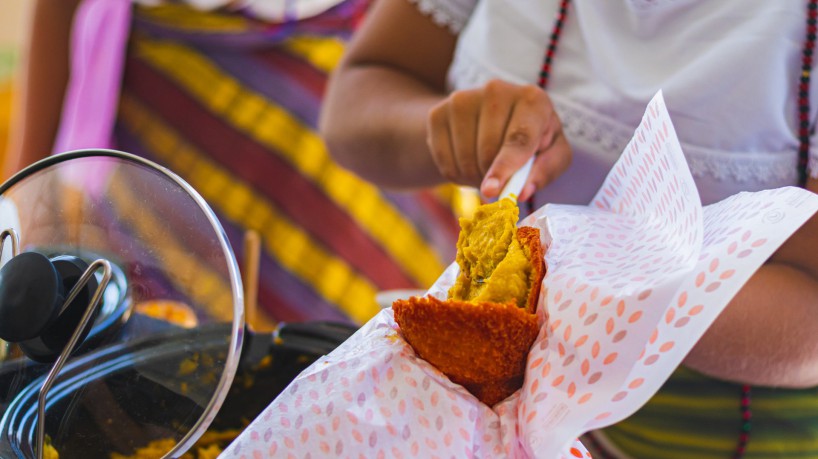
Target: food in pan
x,y
480,335
209,446
175,312
49,451
258,380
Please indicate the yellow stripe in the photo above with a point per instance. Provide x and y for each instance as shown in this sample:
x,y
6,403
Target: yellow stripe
x,y
5,115
783,446
624,435
670,438
323,53
185,17
268,124
781,403
671,402
635,448
331,277
191,277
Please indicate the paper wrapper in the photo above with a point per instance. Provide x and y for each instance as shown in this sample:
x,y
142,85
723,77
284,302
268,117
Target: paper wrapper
x,y
634,280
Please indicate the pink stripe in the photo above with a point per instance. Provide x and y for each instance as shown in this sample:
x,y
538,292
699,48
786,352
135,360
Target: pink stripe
x,y
98,44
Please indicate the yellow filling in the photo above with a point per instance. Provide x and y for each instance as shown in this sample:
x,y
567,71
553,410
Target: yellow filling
x,y
493,265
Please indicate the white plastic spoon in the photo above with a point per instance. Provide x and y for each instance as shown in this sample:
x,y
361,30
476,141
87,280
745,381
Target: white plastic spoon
x,y
514,186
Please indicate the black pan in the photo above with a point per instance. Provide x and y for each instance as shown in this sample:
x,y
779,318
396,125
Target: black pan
x,y
161,405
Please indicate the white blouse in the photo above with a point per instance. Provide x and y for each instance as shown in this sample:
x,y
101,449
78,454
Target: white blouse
x,y
729,71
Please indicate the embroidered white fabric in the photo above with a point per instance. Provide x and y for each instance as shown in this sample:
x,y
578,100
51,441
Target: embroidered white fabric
x,y
451,14
645,4
731,95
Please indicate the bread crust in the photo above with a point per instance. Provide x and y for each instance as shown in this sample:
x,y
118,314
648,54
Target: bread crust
x,y
529,238
482,346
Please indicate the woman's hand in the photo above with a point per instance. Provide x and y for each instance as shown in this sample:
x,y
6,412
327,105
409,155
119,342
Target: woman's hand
x,y
389,118
480,137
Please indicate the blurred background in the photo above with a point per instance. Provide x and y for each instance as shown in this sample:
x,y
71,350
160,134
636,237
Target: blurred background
x,y
242,132
13,19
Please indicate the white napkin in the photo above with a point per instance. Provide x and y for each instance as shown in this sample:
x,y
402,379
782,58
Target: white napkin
x,y
634,279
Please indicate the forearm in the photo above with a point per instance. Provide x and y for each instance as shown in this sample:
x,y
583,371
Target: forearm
x,y
374,123
377,103
768,334
40,84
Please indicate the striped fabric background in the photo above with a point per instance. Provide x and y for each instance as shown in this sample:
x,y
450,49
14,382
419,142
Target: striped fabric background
x,y
231,105
696,417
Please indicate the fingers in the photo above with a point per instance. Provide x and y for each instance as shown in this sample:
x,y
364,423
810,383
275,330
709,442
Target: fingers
x,y
439,141
549,164
464,111
452,137
531,127
495,113
480,137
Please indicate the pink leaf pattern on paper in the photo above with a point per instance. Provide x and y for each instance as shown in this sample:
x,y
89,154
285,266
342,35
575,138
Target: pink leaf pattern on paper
x,y
393,398
634,279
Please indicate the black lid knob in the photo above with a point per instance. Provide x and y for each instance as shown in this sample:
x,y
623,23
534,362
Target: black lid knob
x,y
30,296
50,343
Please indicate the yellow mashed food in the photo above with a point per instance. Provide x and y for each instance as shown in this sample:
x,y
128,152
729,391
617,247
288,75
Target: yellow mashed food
x,y
493,265
208,447
171,311
49,452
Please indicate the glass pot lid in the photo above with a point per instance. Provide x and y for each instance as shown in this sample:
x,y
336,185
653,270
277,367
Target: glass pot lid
x,y
163,341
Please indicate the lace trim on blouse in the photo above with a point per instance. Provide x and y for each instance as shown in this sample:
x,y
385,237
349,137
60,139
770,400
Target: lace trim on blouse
x,y
608,137
611,138
647,4
452,14
600,134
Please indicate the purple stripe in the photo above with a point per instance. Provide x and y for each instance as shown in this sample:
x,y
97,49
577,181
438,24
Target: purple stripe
x,y
339,21
439,234
298,300
272,83
148,274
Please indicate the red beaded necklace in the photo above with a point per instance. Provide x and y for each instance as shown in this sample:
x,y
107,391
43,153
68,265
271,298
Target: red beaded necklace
x,y
804,132
545,70
554,39
803,91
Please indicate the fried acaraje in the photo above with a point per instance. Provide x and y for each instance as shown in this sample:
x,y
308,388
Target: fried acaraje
x,y
480,336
